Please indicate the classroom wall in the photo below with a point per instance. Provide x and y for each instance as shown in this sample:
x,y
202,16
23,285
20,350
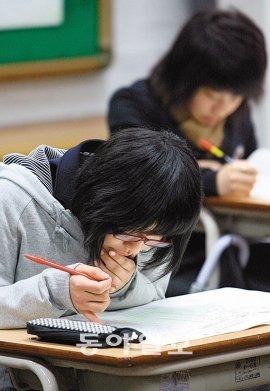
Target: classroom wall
x,y
259,11
141,32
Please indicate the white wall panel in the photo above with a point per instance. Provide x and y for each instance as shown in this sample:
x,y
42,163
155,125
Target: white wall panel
x,y
259,11
142,30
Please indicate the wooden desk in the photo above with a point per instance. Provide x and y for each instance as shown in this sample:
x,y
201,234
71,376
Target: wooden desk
x,y
243,215
229,362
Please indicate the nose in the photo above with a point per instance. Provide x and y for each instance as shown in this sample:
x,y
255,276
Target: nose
x,y
218,108
221,107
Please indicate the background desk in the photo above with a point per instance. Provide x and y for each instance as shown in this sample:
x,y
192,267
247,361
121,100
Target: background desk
x,y
229,362
60,134
243,215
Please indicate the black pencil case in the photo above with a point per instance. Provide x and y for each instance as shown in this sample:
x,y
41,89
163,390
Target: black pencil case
x,y
85,333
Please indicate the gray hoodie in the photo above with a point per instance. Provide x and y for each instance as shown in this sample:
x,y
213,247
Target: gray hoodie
x,y
34,222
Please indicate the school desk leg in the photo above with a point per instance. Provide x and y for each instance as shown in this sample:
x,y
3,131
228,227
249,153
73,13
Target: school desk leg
x,y
45,376
212,234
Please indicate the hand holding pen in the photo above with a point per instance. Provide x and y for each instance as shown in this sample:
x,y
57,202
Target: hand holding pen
x,y
236,177
89,287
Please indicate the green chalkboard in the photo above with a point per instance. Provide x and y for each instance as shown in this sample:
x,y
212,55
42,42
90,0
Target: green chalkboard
x,y
81,42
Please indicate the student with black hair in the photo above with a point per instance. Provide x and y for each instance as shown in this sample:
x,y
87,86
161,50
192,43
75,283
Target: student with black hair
x,y
98,207
201,89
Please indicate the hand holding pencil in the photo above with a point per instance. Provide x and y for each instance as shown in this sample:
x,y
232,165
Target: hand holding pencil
x,y
88,295
235,177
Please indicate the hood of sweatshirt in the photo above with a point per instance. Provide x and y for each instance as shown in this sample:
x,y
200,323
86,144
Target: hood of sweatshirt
x,y
32,174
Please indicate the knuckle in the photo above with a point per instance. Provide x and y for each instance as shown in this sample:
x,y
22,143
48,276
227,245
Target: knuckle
x,y
97,290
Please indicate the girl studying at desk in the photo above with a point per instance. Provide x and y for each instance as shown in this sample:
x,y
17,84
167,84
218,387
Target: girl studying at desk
x,y
114,210
202,89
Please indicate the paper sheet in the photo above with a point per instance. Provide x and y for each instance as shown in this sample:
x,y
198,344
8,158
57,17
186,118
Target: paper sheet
x,y
260,159
195,316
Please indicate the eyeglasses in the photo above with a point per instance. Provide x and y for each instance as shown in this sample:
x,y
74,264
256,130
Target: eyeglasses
x,y
125,237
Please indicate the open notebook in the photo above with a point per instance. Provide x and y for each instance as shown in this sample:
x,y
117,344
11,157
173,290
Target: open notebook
x,y
260,159
194,316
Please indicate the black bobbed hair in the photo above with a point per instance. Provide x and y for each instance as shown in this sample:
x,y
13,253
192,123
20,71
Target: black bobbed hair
x,y
140,181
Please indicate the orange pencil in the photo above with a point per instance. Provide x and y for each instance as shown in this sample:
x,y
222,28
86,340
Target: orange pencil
x,y
54,265
214,150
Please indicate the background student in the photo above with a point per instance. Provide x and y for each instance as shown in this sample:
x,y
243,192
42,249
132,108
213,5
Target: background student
x,y
98,208
201,89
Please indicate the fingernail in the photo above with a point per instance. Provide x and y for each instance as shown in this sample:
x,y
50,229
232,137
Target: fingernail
x,y
112,253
